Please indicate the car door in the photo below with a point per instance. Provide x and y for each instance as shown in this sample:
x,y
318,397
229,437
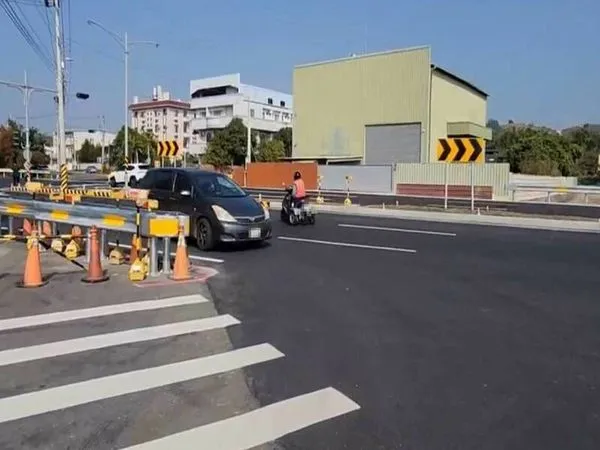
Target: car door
x,y
162,187
182,194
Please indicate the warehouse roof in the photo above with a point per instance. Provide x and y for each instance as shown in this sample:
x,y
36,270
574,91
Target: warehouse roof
x,y
388,52
458,80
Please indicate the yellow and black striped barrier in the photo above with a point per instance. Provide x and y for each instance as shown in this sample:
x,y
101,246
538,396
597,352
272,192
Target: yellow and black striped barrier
x,y
64,178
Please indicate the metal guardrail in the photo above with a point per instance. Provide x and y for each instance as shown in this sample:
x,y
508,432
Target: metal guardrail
x,y
549,191
153,225
105,217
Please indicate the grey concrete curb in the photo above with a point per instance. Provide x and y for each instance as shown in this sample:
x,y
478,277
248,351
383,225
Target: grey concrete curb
x,y
533,223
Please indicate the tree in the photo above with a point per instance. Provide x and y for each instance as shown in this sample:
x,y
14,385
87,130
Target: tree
x,y
285,136
89,153
228,146
538,151
269,151
142,146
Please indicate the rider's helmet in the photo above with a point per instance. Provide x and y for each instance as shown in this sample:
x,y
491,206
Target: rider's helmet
x,y
297,175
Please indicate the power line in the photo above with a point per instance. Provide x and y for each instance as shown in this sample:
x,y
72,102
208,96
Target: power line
x,y
24,31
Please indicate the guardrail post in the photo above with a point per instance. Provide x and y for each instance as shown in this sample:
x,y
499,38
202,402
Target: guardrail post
x,y
167,256
88,245
153,257
103,245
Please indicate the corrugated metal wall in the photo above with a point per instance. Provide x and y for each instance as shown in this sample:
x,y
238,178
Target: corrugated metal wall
x,y
376,179
495,175
390,144
334,101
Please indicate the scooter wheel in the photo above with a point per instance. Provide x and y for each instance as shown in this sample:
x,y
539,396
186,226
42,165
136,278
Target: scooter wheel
x,y
311,220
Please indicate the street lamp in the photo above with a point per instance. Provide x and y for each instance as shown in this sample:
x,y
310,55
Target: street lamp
x,y
125,45
26,89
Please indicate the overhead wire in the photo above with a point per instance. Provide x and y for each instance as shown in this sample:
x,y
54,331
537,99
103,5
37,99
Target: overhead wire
x,y
13,15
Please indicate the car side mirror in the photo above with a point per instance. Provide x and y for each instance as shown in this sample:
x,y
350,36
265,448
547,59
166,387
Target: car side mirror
x,y
185,193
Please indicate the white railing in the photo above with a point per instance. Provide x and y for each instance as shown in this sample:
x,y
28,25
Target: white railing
x,y
546,193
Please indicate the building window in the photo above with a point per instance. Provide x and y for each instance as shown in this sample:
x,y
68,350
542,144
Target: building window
x,y
186,127
156,128
176,129
282,104
186,142
270,101
251,113
165,111
135,114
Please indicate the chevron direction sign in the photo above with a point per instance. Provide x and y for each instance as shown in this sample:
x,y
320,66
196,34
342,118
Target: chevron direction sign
x,y
167,148
461,150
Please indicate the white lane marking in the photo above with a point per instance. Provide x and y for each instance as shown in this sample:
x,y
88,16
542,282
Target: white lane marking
x,y
52,349
348,244
160,252
100,311
399,230
54,399
259,426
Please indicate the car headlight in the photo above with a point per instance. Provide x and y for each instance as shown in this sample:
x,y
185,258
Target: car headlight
x,y
222,214
267,213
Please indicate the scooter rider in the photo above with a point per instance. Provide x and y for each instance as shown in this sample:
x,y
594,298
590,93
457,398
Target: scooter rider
x,y
298,189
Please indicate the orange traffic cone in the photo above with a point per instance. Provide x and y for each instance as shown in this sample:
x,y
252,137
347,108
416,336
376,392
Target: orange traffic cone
x,y
26,227
46,229
95,273
32,276
181,267
133,253
76,234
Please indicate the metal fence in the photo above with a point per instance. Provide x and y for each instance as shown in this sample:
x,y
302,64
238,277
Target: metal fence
x,y
376,179
495,176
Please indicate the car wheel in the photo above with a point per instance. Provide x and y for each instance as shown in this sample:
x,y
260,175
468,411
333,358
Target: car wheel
x,y
132,182
112,182
311,219
205,239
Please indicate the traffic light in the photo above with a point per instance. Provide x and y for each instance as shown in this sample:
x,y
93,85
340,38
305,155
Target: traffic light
x,y
16,139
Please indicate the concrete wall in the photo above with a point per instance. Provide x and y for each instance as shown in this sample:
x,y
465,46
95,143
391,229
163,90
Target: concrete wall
x,y
494,175
334,101
452,102
376,179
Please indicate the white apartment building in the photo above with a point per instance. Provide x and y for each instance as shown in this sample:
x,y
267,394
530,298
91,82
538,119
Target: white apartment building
x,y
74,139
165,118
217,100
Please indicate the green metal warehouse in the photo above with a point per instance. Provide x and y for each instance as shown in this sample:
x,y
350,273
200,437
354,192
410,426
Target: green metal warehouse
x,y
382,108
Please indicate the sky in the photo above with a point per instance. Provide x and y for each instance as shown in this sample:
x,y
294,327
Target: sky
x,y
538,59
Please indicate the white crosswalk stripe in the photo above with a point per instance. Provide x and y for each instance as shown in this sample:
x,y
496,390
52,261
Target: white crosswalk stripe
x,y
244,430
18,355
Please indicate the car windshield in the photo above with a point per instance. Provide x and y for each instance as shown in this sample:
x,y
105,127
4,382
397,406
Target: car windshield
x,y
214,185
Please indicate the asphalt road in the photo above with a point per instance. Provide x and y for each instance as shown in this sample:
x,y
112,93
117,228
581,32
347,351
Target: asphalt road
x,y
449,337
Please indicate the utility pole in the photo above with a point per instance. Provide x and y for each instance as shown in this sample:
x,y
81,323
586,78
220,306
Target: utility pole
x,y
60,94
103,128
26,89
27,94
248,139
126,130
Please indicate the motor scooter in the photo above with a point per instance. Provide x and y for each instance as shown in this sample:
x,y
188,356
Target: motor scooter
x,y
296,213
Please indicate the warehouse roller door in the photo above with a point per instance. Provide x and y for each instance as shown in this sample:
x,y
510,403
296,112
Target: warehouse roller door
x,y
390,144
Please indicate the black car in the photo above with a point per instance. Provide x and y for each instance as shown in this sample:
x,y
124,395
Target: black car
x,y
219,209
